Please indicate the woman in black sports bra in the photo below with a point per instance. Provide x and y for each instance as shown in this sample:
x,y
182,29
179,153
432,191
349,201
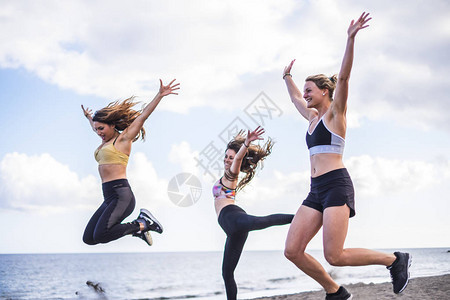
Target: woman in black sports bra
x,y
118,125
240,156
330,202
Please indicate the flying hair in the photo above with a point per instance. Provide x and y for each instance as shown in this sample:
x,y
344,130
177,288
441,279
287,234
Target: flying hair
x,y
121,115
254,157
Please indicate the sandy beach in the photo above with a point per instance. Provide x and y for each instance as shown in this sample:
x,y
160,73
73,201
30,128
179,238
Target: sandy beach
x,y
435,287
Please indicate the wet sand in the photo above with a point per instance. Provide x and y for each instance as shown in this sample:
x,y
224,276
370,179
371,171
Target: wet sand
x,y
435,287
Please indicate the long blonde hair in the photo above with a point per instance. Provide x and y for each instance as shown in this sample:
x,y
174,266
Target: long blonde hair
x,y
121,115
254,157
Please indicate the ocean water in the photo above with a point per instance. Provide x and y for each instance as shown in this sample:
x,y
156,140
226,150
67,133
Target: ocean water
x,y
180,275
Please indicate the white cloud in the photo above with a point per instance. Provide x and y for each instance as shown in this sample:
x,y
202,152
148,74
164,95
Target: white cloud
x,y
216,49
41,183
183,155
114,50
188,160
389,192
149,189
398,200
275,191
391,195
373,177
377,176
401,64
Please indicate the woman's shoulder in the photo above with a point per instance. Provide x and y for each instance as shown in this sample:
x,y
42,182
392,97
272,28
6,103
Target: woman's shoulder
x,y
312,114
231,184
123,144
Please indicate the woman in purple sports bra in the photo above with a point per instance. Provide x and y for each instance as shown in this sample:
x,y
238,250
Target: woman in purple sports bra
x,y
118,125
240,156
330,202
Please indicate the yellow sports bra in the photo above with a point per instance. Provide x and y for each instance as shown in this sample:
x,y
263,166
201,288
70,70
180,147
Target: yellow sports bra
x,y
108,155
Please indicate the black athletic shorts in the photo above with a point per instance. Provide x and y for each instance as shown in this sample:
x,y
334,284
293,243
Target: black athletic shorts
x,y
334,188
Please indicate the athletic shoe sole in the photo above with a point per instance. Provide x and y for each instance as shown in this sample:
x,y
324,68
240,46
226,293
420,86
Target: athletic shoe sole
x,y
146,236
407,280
350,298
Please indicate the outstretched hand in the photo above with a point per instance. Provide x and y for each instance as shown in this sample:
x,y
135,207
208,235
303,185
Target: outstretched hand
x,y
240,135
254,135
87,112
287,69
169,89
359,24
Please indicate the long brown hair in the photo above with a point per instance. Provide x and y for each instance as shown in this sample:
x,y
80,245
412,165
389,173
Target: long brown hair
x,y
120,114
254,156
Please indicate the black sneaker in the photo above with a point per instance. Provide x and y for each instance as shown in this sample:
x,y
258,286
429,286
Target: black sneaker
x,y
150,220
341,294
400,271
146,236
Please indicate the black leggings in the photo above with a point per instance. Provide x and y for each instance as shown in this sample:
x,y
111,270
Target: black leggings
x,y
105,225
237,223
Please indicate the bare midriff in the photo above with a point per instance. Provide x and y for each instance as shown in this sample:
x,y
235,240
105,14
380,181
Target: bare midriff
x,y
110,172
325,162
221,203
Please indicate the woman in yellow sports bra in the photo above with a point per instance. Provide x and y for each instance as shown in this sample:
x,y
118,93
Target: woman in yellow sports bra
x,y
118,125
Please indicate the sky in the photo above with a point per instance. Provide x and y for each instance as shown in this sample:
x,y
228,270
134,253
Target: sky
x,y
229,58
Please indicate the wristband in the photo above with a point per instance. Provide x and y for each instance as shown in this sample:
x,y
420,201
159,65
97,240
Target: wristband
x,y
286,74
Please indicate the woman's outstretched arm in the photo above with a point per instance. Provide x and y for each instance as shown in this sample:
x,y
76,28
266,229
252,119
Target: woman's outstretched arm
x,y
132,131
251,136
88,114
339,104
295,93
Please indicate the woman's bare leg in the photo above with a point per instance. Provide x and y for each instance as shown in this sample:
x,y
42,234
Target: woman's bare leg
x,y
304,227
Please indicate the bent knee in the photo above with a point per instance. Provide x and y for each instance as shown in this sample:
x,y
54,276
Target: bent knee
x,y
293,254
334,259
227,275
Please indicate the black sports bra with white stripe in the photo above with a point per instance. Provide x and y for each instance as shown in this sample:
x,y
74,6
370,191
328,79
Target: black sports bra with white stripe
x,y
323,140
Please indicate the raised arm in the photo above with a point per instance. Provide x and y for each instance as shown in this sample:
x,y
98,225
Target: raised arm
x,y
132,131
88,114
295,94
251,136
339,104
